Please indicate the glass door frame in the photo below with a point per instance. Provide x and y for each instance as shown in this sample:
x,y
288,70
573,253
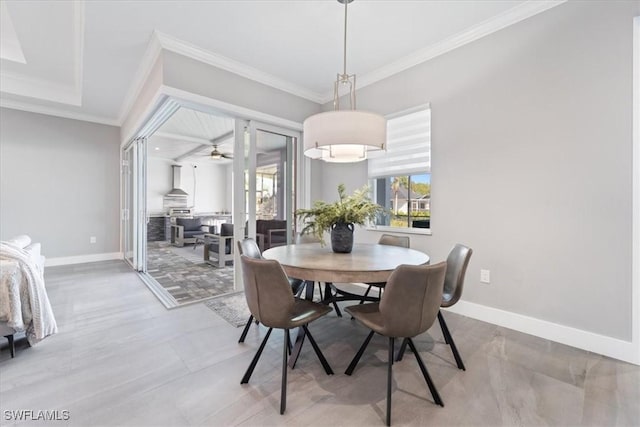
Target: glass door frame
x,y
245,164
134,210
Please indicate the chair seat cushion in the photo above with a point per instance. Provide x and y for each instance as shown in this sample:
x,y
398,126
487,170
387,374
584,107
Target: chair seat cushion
x,y
305,311
369,315
190,234
213,247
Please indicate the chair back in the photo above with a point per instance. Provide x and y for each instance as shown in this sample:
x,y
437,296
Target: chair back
x,y
226,229
267,291
190,224
306,238
390,240
411,300
250,248
457,263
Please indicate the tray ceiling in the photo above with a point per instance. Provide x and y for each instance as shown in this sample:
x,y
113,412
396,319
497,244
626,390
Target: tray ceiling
x,y
82,57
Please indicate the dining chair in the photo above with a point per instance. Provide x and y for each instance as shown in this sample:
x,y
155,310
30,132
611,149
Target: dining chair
x,y
407,308
457,262
390,240
271,302
249,247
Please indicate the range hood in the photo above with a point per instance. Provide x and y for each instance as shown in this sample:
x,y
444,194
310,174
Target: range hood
x,y
177,177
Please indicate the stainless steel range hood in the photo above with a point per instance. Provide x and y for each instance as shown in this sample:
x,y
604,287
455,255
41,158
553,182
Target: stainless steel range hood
x,y
177,180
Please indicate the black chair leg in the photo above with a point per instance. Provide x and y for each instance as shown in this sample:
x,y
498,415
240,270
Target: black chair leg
x,y
366,294
324,362
425,374
390,378
358,355
297,348
246,329
449,340
337,309
309,287
12,346
403,348
283,387
328,298
298,291
254,362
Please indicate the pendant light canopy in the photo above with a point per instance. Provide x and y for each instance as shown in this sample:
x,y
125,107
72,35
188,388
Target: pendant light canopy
x,y
344,136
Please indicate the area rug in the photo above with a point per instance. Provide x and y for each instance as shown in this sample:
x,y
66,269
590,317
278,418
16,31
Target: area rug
x,y
232,308
180,281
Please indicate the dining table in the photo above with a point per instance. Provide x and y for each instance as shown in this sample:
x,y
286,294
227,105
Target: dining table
x,y
317,263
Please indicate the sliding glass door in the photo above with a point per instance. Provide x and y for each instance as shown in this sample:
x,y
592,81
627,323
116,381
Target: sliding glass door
x,y
264,167
134,205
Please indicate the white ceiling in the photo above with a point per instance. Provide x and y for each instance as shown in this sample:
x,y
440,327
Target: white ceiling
x,y
189,135
82,57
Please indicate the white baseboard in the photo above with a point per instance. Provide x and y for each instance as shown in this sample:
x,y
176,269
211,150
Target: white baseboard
x,y
81,259
600,344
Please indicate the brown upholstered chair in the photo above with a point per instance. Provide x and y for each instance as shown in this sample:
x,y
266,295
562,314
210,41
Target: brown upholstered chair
x,y
271,302
407,308
249,247
457,263
390,240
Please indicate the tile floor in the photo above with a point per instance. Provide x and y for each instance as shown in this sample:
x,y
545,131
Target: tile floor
x,y
121,358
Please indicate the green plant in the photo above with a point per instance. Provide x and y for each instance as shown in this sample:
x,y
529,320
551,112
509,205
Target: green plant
x,y
357,208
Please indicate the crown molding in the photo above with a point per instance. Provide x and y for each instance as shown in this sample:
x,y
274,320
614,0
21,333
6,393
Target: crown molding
x,y
509,17
52,111
215,106
194,52
39,89
140,78
46,90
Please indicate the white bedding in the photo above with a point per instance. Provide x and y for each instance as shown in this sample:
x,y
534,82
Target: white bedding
x,y
24,303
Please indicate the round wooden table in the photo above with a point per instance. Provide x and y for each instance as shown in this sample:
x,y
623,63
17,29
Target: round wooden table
x,y
366,263
312,263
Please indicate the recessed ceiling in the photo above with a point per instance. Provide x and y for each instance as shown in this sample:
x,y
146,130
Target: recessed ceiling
x,y
190,135
82,57
10,48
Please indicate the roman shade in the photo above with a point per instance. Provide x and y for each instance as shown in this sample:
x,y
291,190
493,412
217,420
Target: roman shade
x,y
408,146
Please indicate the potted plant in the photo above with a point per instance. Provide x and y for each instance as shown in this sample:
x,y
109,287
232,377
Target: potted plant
x,y
339,217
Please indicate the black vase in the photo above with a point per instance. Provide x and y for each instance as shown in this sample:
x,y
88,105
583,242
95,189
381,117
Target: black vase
x,y
342,237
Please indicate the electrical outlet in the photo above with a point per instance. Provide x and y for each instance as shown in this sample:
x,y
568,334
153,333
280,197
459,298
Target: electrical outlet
x,y
92,239
485,276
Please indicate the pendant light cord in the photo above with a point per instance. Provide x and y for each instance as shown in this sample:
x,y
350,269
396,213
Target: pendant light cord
x,y
344,71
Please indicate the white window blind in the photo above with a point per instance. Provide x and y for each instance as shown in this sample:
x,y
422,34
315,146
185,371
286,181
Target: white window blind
x,y
408,146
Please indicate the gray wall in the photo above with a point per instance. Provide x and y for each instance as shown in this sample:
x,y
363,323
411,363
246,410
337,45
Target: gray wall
x,y
59,183
532,151
187,74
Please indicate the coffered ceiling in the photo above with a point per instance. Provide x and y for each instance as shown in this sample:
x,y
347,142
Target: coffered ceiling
x,y
81,58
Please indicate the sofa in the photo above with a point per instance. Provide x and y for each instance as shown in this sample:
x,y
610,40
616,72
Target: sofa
x,y
185,230
271,233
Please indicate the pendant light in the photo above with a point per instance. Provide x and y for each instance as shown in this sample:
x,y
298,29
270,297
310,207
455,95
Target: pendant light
x,y
344,136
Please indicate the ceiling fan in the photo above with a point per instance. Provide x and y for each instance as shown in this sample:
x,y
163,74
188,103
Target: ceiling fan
x,y
217,155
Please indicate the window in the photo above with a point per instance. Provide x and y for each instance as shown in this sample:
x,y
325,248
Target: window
x,y
401,177
267,192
